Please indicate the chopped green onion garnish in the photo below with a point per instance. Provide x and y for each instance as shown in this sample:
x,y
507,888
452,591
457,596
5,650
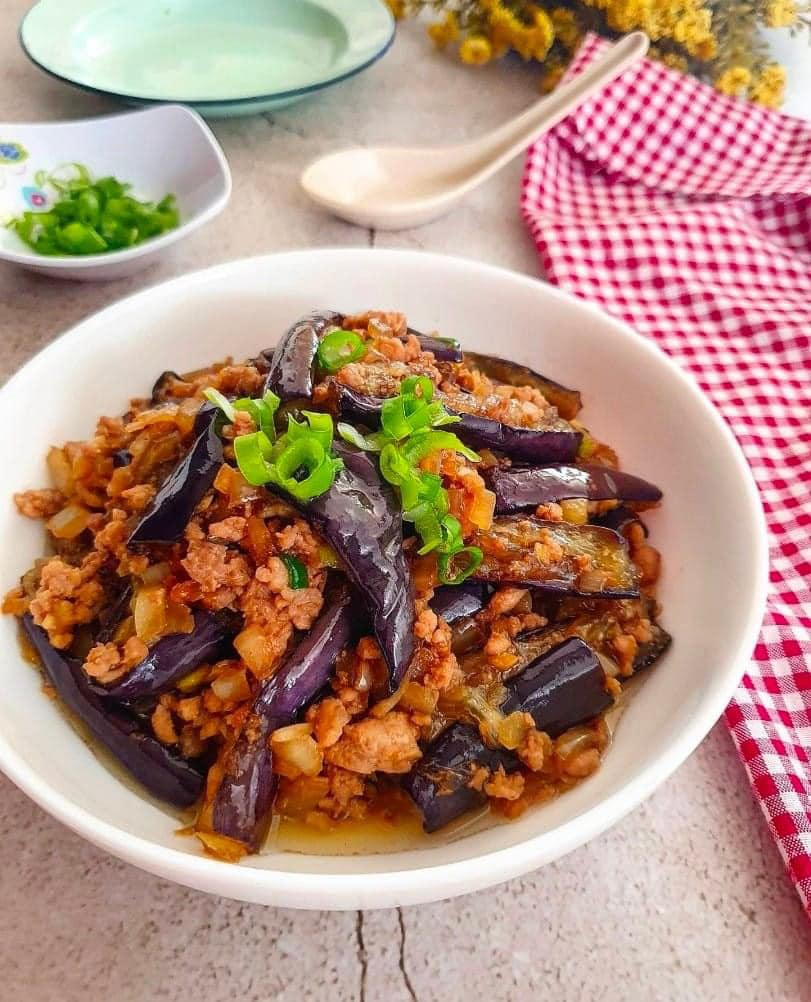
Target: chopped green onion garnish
x,y
262,411
299,462
91,217
220,400
423,443
368,443
454,568
251,459
338,348
296,571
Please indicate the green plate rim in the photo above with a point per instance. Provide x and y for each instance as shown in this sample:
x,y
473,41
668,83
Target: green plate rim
x,y
211,103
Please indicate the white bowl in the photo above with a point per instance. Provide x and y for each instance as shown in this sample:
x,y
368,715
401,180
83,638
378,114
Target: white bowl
x,y
710,530
161,150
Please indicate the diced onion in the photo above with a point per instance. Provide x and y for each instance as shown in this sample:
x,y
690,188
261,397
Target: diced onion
x,y
61,470
299,756
149,611
256,651
232,685
69,522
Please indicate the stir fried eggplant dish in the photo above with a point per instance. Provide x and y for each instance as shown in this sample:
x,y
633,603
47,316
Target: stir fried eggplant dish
x,y
364,575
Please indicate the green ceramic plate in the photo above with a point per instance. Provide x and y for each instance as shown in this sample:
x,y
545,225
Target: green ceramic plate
x,y
224,57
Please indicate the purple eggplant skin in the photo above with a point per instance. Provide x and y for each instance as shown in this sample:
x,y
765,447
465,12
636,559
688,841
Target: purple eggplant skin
x,y
444,349
618,519
438,783
455,602
110,619
562,688
160,770
172,657
361,519
653,649
168,513
244,800
292,362
567,402
525,445
528,445
524,489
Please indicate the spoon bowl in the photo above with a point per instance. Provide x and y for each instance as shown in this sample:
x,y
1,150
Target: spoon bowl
x,y
392,188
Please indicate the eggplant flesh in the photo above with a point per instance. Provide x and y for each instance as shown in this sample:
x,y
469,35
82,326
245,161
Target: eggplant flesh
x,y
567,402
168,513
554,442
525,489
158,768
524,550
293,360
244,799
561,688
172,657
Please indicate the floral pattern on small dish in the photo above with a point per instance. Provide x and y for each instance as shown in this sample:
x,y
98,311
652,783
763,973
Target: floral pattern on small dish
x,y
12,153
34,198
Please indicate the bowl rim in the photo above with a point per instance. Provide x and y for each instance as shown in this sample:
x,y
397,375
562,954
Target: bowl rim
x,y
86,262
436,881
211,104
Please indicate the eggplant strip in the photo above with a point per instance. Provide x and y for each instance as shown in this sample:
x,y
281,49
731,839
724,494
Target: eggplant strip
x,y
158,768
444,349
562,688
559,557
168,513
556,442
618,519
292,361
244,799
566,401
525,489
360,517
172,657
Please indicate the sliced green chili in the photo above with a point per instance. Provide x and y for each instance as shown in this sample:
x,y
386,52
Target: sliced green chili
x,y
338,348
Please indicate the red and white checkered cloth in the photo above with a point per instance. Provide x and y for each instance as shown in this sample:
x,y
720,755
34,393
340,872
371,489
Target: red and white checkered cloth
x,y
688,215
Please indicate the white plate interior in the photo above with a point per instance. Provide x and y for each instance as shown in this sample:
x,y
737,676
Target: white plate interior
x,y
709,530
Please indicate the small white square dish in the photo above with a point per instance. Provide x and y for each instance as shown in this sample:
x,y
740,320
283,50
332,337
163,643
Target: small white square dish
x,y
159,151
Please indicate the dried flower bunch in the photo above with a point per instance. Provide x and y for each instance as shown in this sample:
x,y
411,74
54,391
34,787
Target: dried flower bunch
x,y
716,40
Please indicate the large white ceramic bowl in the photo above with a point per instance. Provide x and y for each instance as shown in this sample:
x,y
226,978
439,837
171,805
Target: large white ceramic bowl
x,y
710,530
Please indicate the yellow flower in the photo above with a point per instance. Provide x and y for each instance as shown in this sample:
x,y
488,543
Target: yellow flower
x,y
768,87
780,14
567,30
504,27
693,29
542,34
706,50
734,80
625,15
442,33
476,50
397,8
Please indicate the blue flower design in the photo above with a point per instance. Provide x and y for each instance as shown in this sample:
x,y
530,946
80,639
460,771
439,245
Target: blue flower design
x,y
12,153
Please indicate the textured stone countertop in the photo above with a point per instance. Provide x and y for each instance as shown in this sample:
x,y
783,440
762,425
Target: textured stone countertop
x,y
684,900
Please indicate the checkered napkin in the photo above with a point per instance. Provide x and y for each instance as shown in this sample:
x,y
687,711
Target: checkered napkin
x,y
688,215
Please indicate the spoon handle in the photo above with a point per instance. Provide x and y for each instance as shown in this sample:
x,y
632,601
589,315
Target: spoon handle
x,y
484,156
